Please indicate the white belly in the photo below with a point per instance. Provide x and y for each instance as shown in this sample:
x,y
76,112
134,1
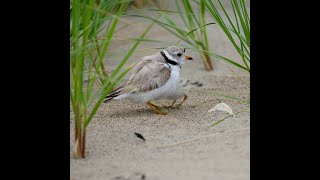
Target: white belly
x,y
167,91
180,91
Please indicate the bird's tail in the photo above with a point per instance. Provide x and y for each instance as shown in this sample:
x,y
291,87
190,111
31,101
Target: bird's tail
x,y
114,93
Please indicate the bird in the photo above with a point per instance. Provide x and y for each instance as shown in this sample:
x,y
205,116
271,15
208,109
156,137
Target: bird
x,y
155,77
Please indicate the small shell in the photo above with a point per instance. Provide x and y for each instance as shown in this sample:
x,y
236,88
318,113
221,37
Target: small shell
x,y
222,107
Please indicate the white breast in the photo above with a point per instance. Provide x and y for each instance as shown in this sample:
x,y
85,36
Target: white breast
x,y
172,85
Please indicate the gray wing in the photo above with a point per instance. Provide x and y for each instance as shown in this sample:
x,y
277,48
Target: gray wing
x,y
148,75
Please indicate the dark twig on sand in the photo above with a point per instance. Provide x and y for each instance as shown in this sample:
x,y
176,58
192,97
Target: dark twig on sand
x,y
139,136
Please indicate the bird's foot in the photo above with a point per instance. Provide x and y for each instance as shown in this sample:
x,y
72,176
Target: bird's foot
x,y
156,109
184,99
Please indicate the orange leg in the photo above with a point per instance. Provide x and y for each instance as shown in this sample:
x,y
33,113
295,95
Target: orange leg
x,y
184,99
171,106
155,109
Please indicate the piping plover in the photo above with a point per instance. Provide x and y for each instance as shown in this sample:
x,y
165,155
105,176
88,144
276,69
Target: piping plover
x,y
155,77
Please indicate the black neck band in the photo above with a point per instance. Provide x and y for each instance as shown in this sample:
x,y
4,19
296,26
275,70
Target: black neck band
x,y
168,60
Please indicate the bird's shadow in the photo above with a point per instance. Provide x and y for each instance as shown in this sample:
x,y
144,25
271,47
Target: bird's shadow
x,y
134,112
144,111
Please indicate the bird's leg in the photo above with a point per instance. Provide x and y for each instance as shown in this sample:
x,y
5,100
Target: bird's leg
x,y
172,103
155,108
171,106
184,99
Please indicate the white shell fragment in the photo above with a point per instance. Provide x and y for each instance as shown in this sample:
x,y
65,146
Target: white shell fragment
x,y
222,107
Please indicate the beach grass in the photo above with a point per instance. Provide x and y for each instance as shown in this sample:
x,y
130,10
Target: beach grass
x,y
87,52
235,25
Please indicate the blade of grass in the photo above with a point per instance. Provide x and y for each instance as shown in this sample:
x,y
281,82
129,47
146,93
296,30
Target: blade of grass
x,y
159,22
234,98
87,17
169,11
243,24
189,16
219,121
193,31
239,33
190,11
212,9
245,13
238,77
130,52
222,58
107,91
182,15
178,35
109,35
202,7
241,36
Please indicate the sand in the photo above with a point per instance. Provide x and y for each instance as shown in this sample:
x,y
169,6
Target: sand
x,y
180,145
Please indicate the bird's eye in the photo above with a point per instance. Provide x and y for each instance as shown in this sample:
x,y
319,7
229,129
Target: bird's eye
x,y
179,54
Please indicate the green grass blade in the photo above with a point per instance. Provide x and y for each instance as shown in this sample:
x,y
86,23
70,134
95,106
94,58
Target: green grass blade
x,y
193,31
115,72
108,90
130,52
230,22
172,23
190,10
180,32
219,121
234,98
169,11
239,77
182,16
241,18
109,34
159,22
212,9
203,18
243,39
232,62
214,12
245,14
149,40
179,35
222,58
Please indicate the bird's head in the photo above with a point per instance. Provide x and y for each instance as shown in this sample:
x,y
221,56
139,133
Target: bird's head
x,y
176,54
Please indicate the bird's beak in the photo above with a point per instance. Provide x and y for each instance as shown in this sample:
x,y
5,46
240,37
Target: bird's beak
x,y
188,58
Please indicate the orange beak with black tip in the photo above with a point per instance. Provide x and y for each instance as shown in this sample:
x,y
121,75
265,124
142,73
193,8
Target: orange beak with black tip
x,y
188,58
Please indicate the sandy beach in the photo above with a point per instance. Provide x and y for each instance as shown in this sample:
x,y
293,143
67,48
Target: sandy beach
x,y
180,145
